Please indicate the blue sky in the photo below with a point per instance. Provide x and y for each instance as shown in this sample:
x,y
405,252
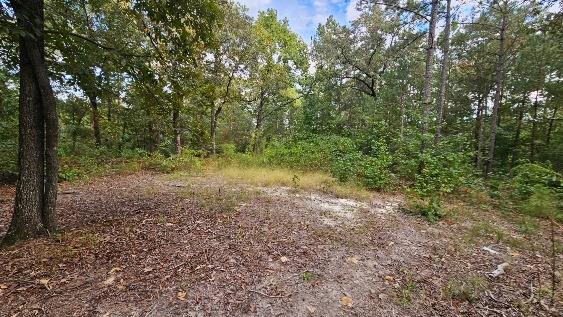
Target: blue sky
x,y
305,15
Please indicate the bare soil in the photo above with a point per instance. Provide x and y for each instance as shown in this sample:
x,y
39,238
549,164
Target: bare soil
x,y
156,245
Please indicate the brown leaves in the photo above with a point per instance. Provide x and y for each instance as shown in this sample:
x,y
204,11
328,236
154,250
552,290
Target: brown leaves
x,y
352,260
346,301
181,295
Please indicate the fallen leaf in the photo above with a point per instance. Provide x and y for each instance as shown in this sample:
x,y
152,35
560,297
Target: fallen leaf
x,y
181,295
44,282
147,269
284,259
3,286
115,269
352,259
311,309
389,277
109,280
346,301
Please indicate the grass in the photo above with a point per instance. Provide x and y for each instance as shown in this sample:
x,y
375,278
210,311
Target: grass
x,y
271,176
467,288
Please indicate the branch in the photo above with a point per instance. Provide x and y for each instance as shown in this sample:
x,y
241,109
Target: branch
x,y
418,14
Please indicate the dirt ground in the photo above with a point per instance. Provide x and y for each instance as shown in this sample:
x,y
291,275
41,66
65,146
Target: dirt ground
x,y
157,245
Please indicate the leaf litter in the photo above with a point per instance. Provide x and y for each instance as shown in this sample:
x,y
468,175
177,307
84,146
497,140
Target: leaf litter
x,y
136,246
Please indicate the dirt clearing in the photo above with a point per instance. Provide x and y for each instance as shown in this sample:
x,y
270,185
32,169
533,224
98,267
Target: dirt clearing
x,y
154,245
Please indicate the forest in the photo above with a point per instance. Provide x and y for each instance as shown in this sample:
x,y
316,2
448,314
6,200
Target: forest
x,y
195,157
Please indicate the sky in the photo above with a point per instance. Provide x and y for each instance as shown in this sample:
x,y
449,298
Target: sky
x,y
305,15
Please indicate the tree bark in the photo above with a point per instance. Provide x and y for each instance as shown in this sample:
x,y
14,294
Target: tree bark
x,y
551,124
479,123
427,93
533,135
36,189
499,82
444,74
213,128
516,141
259,119
176,128
95,118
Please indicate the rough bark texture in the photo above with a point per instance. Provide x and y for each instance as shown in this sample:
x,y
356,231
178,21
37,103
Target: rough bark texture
x,y
213,128
259,119
499,82
443,74
534,133
177,133
427,93
516,141
95,118
36,189
551,125
479,131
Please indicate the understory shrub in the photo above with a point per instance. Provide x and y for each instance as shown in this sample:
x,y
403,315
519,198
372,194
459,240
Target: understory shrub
x,y
526,177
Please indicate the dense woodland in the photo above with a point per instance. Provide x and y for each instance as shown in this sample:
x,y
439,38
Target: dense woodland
x,y
421,94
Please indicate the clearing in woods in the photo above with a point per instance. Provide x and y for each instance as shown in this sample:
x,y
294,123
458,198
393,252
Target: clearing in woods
x,y
156,245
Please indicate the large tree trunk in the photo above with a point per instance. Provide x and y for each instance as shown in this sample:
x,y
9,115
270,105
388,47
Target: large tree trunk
x,y
499,81
95,118
427,93
444,74
36,189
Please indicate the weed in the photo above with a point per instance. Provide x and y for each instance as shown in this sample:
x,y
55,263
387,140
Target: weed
x,y
308,276
465,289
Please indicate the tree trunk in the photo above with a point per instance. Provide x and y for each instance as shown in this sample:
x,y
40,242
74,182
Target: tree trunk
x,y
213,128
499,81
444,74
533,135
427,93
176,128
481,105
516,141
258,126
95,118
551,124
36,189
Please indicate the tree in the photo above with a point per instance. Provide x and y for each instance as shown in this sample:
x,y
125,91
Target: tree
x,y
443,73
36,190
278,59
426,91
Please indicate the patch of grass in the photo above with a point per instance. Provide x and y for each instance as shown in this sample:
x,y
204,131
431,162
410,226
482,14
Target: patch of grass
x,y
161,219
268,177
487,230
483,229
308,276
406,288
466,288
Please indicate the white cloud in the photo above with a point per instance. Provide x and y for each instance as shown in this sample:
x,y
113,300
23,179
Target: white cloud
x,y
352,12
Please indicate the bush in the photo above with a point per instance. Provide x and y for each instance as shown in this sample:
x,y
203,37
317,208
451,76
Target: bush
x,y
526,177
544,203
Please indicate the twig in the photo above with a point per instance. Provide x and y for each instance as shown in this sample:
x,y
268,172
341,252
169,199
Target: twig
x,y
270,296
500,312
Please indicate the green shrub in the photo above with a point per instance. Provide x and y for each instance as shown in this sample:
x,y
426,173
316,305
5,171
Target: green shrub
x,y
544,203
525,178
373,172
344,166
